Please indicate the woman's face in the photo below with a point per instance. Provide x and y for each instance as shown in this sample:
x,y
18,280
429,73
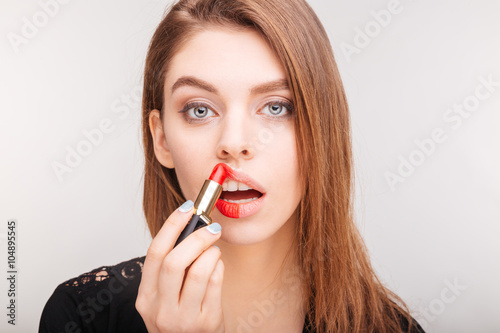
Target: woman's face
x,y
227,101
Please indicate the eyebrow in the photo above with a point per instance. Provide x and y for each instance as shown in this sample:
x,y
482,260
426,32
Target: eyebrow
x,y
280,84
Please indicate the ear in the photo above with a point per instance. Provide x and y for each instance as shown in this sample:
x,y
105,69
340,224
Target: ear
x,y
162,152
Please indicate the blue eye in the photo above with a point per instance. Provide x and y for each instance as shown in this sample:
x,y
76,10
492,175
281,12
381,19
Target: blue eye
x,y
196,112
279,108
200,111
275,108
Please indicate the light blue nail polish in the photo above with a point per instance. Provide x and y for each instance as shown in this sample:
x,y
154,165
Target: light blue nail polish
x,y
214,228
216,247
186,207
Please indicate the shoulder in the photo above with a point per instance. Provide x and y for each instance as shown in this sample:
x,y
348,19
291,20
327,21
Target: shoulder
x,y
410,327
91,299
404,325
94,280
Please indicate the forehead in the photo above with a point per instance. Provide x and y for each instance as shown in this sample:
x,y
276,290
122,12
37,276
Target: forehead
x,y
226,56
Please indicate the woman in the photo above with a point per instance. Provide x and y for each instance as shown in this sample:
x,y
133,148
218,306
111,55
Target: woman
x,y
253,85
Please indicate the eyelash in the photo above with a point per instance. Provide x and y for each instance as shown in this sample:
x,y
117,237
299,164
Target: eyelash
x,y
191,105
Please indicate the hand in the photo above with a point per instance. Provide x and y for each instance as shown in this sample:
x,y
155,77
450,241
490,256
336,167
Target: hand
x,y
181,287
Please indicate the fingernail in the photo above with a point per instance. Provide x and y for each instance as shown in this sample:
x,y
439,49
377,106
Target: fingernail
x,y
186,207
214,228
216,247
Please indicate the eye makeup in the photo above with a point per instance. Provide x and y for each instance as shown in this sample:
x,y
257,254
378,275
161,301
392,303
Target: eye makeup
x,y
192,105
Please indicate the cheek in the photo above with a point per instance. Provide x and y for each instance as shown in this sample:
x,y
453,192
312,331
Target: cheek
x,y
283,160
283,164
188,156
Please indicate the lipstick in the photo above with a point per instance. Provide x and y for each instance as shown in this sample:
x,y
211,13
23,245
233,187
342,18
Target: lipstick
x,y
205,202
236,209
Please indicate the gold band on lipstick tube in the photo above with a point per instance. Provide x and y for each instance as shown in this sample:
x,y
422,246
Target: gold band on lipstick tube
x,y
205,202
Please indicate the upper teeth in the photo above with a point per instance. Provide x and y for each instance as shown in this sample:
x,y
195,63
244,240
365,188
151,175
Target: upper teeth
x,y
232,185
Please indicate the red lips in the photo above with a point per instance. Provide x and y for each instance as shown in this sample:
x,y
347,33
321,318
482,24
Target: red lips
x,y
231,209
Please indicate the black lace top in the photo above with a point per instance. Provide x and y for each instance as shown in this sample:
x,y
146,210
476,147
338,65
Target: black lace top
x,y
102,300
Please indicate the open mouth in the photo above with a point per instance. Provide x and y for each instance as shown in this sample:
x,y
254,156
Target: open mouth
x,y
237,192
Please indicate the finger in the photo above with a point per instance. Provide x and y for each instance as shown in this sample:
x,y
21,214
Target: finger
x,y
184,254
213,294
162,244
196,280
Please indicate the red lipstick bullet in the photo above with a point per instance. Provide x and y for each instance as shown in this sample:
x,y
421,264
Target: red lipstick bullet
x,y
205,202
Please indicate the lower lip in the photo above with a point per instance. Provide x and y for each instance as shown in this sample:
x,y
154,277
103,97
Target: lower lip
x,y
239,210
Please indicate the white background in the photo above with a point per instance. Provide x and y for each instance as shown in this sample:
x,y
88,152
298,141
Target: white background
x,y
439,227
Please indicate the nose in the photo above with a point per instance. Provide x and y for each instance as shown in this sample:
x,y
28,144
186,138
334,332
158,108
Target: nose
x,y
235,139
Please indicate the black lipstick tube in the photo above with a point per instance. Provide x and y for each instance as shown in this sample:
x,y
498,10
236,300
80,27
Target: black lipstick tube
x,y
203,207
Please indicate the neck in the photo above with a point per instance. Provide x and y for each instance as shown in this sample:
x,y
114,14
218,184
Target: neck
x,y
255,267
263,278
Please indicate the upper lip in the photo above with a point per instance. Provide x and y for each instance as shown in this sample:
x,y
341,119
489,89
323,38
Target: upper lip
x,y
243,178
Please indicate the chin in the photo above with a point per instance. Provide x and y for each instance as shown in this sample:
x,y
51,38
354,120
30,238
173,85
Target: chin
x,y
237,238
246,231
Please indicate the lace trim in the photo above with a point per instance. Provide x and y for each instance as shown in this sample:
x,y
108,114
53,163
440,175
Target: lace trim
x,y
128,269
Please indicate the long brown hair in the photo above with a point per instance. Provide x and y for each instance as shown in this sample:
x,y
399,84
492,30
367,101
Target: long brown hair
x,y
342,292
